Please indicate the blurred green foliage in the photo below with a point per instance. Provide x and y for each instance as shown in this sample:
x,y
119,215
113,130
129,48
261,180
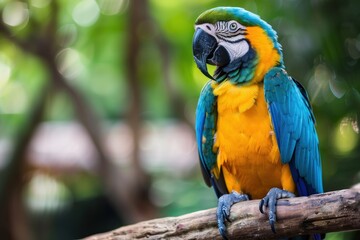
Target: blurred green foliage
x,y
321,44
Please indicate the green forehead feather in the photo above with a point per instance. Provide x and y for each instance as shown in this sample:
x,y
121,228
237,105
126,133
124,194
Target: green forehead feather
x,y
240,15
214,15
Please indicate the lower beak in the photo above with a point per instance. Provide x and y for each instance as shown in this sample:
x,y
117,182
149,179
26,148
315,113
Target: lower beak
x,y
203,48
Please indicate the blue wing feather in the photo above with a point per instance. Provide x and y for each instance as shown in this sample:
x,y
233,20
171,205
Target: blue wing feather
x,y
294,126
205,128
202,108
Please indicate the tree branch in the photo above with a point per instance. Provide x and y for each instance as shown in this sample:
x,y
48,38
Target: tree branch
x,y
321,213
11,178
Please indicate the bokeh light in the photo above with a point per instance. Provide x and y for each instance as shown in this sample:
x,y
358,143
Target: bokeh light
x,y
112,7
5,70
86,13
319,84
353,47
346,135
10,105
69,63
46,194
16,14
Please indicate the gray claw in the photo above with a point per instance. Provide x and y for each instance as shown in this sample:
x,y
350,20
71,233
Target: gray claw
x,y
270,200
223,210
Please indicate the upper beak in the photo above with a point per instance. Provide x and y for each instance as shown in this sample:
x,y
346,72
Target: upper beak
x,y
203,48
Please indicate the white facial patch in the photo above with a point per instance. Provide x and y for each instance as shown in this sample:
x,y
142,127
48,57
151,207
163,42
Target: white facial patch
x,y
236,50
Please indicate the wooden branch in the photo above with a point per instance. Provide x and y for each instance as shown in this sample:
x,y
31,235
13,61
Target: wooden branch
x,y
327,212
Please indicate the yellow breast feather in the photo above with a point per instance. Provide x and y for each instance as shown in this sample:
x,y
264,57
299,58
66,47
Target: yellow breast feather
x,y
248,154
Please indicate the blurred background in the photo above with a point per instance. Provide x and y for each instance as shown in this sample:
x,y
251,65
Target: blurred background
x,y
97,105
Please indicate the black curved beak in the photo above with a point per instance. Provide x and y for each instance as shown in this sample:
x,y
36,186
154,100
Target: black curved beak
x,y
204,46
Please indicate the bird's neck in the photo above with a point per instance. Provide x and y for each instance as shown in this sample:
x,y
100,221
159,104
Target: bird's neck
x,y
263,55
268,52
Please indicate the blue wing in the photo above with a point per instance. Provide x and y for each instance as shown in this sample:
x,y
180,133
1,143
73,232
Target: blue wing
x,y
294,126
205,129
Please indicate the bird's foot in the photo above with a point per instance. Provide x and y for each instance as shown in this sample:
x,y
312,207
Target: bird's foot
x,y
223,210
270,201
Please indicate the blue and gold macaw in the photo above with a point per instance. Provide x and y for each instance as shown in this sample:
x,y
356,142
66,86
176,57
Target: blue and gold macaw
x,y
254,124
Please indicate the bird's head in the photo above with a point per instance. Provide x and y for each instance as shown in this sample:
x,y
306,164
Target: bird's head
x,y
238,42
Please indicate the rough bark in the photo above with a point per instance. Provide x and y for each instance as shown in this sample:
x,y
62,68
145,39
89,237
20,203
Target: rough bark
x,y
321,213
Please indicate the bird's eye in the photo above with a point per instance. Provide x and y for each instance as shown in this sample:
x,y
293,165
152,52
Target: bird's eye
x,y
233,26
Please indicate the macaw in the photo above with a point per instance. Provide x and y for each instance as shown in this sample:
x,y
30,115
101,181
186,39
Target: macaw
x,y
255,129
